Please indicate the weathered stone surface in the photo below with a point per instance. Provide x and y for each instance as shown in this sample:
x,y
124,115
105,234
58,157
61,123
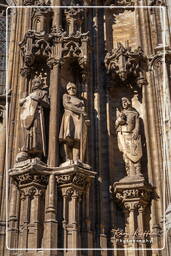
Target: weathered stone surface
x,y
57,201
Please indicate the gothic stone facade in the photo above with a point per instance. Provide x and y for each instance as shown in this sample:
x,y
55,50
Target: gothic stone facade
x,y
85,128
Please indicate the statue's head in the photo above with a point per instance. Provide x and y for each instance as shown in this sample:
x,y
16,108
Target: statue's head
x,y
37,83
71,89
126,103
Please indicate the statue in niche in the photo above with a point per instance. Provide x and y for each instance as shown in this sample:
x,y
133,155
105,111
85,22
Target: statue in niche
x,y
73,130
129,139
33,122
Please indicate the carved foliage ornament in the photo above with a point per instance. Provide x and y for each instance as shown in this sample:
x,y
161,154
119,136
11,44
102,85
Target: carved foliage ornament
x,y
125,65
72,192
74,178
30,192
31,178
133,194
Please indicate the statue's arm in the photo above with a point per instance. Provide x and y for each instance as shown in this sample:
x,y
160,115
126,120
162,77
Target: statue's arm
x,y
22,101
136,129
120,119
70,106
41,98
45,100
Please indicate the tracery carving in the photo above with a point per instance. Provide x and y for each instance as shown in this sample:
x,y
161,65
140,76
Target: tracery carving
x,y
41,17
126,67
129,139
30,192
69,192
161,55
34,45
74,19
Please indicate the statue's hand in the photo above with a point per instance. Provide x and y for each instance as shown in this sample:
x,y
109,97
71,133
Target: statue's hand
x,y
135,135
84,114
87,122
70,141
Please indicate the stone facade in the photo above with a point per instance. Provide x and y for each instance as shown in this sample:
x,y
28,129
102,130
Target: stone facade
x,y
85,128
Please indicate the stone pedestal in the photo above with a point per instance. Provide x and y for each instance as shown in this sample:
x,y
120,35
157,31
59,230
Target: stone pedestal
x,y
30,178
134,194
39,188
73,182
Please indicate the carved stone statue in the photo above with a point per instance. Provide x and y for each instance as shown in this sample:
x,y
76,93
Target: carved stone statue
x,y
73,130
33,141
129,139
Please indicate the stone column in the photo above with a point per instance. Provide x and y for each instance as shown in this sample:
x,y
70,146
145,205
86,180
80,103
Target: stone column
x,y
100,103
141,209
71,199
151,130
2,148
50,224
131,227
13,220
34,225
73,183
25,212
53,156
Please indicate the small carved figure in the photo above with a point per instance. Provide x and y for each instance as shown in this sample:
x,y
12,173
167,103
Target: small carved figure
x,y
73,130
32,121
129,140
